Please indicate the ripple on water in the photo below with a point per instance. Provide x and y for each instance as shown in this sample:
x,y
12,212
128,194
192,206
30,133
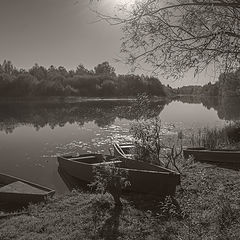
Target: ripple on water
x,y
102,140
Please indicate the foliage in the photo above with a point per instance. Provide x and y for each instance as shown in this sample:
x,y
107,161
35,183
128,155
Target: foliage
x,y
105,69
168,208
152,145
214,138
109,178
208,208
209,138
100,82
148,140
179,35
217,138
228,85
142,107
173,153
226,214
233,132
206,90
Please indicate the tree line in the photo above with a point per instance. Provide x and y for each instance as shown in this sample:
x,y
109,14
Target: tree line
x,y
102,81
228,85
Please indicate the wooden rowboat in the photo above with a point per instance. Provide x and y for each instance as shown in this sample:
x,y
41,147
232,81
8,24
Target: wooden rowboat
x,y
123,150
143,177
14,190
225,156
126,150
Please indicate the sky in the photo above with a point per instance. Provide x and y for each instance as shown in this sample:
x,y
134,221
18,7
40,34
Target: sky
x,y
62,33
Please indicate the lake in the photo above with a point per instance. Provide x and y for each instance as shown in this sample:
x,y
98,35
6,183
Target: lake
x,y
34,132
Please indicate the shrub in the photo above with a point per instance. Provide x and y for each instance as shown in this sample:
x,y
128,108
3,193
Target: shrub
x,y
233,132
109,178
152,145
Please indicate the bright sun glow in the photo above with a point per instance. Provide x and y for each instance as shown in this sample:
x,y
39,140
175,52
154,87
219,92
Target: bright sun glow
x,y
109,6
125,2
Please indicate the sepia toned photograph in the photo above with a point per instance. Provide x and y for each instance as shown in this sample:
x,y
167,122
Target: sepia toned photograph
x,y
119,119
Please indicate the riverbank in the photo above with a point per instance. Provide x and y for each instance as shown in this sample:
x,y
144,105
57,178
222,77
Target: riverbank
x,y
206,207
74,99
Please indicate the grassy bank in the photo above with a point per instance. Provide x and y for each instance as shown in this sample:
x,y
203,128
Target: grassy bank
x,y
206,207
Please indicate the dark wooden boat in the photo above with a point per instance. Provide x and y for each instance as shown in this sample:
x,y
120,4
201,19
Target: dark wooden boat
x,y
226,156
143,177
126,150
14,190
123,150
71,182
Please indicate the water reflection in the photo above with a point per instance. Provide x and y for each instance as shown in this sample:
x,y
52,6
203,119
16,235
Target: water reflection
x,y
227,108
33,133
58,113
103,113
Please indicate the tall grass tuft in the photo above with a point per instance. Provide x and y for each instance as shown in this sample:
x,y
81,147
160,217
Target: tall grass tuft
x,y
217,138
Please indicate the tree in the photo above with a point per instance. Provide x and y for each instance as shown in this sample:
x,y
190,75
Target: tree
x,y
62,71
179,35
7,67
38,71
5,84
81,70
23,85
105,69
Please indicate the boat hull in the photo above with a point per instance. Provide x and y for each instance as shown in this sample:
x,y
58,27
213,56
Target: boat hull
x,y
143,177
22,198
214,156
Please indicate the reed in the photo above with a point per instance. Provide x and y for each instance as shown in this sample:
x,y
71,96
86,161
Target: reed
x,y
226,137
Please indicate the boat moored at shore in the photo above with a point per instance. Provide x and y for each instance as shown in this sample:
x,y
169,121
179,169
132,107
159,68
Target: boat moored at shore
x,y
226,156
143,177
18,191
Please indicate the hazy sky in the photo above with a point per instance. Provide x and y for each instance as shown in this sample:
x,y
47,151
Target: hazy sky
x,y
59,33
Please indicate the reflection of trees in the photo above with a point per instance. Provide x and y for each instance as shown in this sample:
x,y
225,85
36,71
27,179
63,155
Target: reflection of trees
x,y
188,99
130,113
228,108
210,102
58,113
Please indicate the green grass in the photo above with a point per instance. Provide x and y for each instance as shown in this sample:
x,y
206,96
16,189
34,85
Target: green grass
x,y
207,207
226,137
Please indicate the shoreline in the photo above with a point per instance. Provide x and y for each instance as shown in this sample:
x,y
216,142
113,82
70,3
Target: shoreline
x,y
205,205
74,99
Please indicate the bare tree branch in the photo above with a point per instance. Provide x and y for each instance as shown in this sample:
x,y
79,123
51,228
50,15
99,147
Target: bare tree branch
x,y
183,34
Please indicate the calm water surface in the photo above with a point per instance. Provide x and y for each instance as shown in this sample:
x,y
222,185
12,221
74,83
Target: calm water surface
x,y
32,134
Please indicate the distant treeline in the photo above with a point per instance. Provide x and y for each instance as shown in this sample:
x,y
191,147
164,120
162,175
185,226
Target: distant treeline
x,y
102,81
228,85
